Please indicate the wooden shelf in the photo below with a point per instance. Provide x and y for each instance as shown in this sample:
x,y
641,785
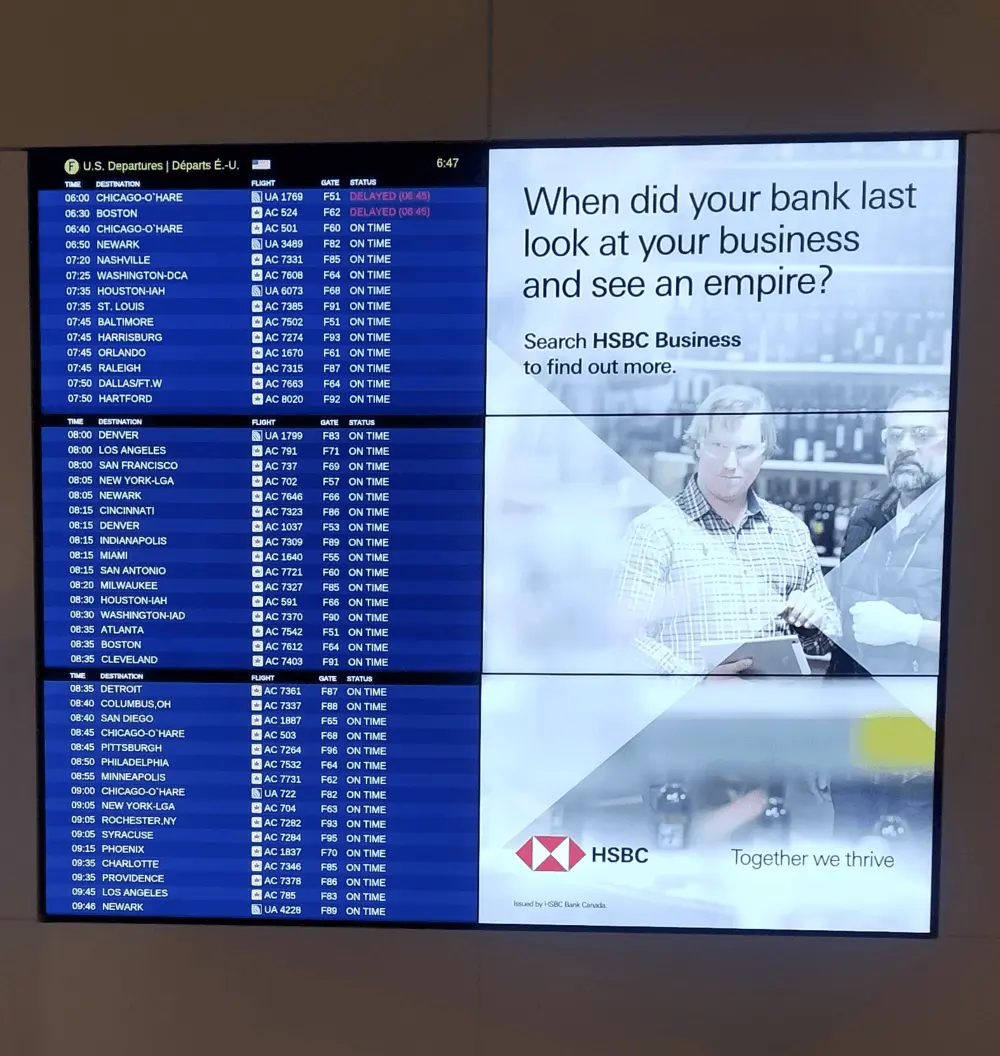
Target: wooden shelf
x,y
834,370
784,465
839,469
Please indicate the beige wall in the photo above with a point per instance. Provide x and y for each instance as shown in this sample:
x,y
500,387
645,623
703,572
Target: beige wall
x,y
105,72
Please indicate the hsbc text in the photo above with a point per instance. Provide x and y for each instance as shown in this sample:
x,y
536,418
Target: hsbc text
x,y
620,854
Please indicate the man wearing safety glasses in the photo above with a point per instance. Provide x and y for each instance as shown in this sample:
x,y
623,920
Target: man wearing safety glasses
x,y
888,586
889,581
719,563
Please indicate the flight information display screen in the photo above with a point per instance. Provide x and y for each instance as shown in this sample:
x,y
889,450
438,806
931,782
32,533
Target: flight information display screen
x,y
494,534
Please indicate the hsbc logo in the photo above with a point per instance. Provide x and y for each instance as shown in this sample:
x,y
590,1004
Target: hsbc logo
x,y
559,854
550,854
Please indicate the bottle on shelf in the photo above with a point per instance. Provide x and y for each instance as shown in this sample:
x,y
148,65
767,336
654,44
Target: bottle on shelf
x,y
837,437
855,437
780,492
819,519
879,339
864,342
816,442
774,822
671,807
891,827
911,337
797,436
780,408
871,450
800,502
943,356
788,341
826,341
849,321
841,518
675,441
810,348
856,336
898,339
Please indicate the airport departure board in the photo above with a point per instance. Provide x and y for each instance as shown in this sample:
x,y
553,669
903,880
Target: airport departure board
x,y
494,534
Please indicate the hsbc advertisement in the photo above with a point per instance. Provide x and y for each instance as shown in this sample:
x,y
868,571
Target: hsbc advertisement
x,y
716,529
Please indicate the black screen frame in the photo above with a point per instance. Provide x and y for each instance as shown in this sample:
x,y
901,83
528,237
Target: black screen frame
x,y
47,156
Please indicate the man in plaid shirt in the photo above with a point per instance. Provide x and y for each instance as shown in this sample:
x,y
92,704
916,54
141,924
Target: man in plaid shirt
x,y
718,563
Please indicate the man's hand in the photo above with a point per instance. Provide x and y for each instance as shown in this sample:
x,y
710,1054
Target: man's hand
x,y
802,610
720,823
731,667
879,623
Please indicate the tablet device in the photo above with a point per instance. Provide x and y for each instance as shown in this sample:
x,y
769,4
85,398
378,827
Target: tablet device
x,y
778,655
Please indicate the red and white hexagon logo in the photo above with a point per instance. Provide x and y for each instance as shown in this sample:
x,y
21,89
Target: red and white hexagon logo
x,y
550,854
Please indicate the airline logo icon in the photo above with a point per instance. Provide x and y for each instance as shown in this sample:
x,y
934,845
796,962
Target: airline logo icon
x,y
550,854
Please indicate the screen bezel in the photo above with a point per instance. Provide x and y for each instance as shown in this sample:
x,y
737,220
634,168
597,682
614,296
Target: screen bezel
x,y
38,157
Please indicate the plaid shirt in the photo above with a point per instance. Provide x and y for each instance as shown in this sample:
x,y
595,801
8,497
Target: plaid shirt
x,y
691,577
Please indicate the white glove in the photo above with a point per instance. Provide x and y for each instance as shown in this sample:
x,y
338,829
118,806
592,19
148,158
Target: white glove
x,y
879,623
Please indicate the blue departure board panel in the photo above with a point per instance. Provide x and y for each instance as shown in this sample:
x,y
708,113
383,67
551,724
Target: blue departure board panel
x,y
260,396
